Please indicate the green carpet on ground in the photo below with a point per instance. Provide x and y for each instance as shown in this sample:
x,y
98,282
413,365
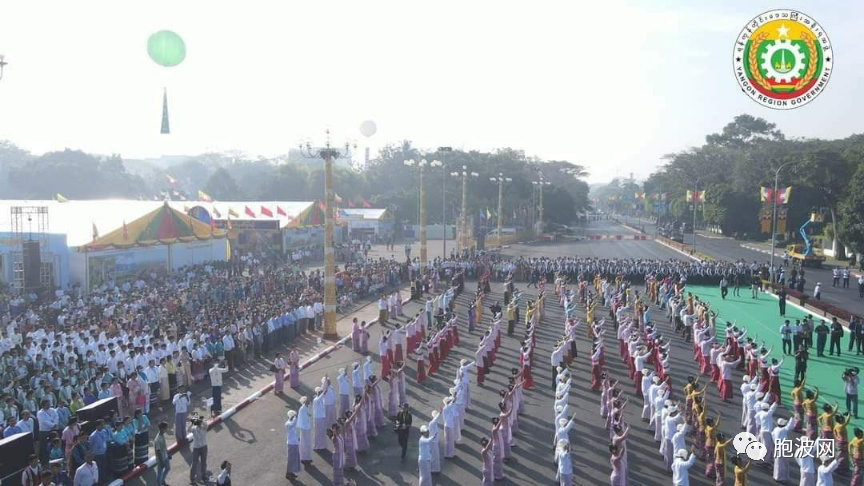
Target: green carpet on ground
x,y
761,317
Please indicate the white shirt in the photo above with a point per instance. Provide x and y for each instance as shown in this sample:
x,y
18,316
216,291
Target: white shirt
x,y
291,436
806,464
344,387
199,436
223,477
565,466
825,474
216,376
48,419
87,475
181,403
424,448
318,410
681,471
303,421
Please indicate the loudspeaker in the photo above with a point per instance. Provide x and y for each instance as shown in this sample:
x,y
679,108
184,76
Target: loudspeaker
x,y
101,409
14,451
32,265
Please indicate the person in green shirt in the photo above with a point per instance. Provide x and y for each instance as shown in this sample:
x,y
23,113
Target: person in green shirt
x,y
76,404
163,459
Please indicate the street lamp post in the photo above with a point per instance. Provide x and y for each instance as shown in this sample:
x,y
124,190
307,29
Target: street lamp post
x,y
328,153
420,166
444,150
463,223
774,215
500,180
695,205
539,184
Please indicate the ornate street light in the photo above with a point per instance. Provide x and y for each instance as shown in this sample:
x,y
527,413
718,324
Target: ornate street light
x,y
539,184
422,203
500,180
328,153
463,223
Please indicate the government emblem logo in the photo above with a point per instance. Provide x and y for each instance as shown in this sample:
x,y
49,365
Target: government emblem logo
x,y
783,59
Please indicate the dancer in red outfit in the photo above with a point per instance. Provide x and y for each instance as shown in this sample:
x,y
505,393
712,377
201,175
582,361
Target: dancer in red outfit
x,y
398,335
433,360
421,364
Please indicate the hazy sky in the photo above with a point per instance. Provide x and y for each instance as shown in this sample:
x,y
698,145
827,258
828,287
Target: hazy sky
x,y
611,84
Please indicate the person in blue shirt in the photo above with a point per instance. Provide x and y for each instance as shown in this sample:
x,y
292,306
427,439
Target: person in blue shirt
x,y
63,414
105,392
98,443
140,423
11,427
89,398
80,451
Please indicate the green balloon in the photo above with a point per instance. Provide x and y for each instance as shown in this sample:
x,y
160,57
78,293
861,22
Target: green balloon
x,y
166,48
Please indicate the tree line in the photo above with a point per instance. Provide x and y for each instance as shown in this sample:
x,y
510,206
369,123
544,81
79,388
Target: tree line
x,y
731,166
385,183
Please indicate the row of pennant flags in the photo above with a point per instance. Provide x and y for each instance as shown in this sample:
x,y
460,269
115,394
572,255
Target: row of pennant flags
x,y
766,194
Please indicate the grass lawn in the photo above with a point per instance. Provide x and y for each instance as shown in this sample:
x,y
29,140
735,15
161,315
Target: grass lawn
x,y
761,317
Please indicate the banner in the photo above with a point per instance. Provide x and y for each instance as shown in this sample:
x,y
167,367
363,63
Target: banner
x,y
766,194
699,196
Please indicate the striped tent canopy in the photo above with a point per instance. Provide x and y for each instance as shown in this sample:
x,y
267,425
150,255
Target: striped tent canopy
x,y
162,226
313,215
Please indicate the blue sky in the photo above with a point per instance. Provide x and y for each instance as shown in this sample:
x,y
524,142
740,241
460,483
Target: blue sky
x,y
613,85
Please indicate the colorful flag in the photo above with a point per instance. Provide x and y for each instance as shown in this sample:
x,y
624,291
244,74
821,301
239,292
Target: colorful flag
x,y
281,211
125,231
204,197
249,212
95,232
765,194
266,212
337,198
351,203
231,212
783,195
59,197
488,214
639,196
664,196
366,204
216,212
171,180
322,206
699,196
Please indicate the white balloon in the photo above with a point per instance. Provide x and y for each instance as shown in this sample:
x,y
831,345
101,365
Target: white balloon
x,y
368,128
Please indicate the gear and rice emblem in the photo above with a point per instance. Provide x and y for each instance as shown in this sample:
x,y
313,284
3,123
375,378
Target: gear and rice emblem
x,y
783,59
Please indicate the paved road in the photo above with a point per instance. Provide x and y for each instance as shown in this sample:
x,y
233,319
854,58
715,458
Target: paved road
x,y
254,440
725,248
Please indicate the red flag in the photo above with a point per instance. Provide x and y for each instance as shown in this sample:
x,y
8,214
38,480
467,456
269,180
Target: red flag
x,y
322,206
125,231
266,212
249,212
281,211
366,204
351,203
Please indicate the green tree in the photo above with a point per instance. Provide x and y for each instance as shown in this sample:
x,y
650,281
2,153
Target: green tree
x,y
851,214
221,186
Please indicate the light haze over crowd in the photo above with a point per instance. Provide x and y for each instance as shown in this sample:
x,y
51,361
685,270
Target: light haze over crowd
x,y
612,85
